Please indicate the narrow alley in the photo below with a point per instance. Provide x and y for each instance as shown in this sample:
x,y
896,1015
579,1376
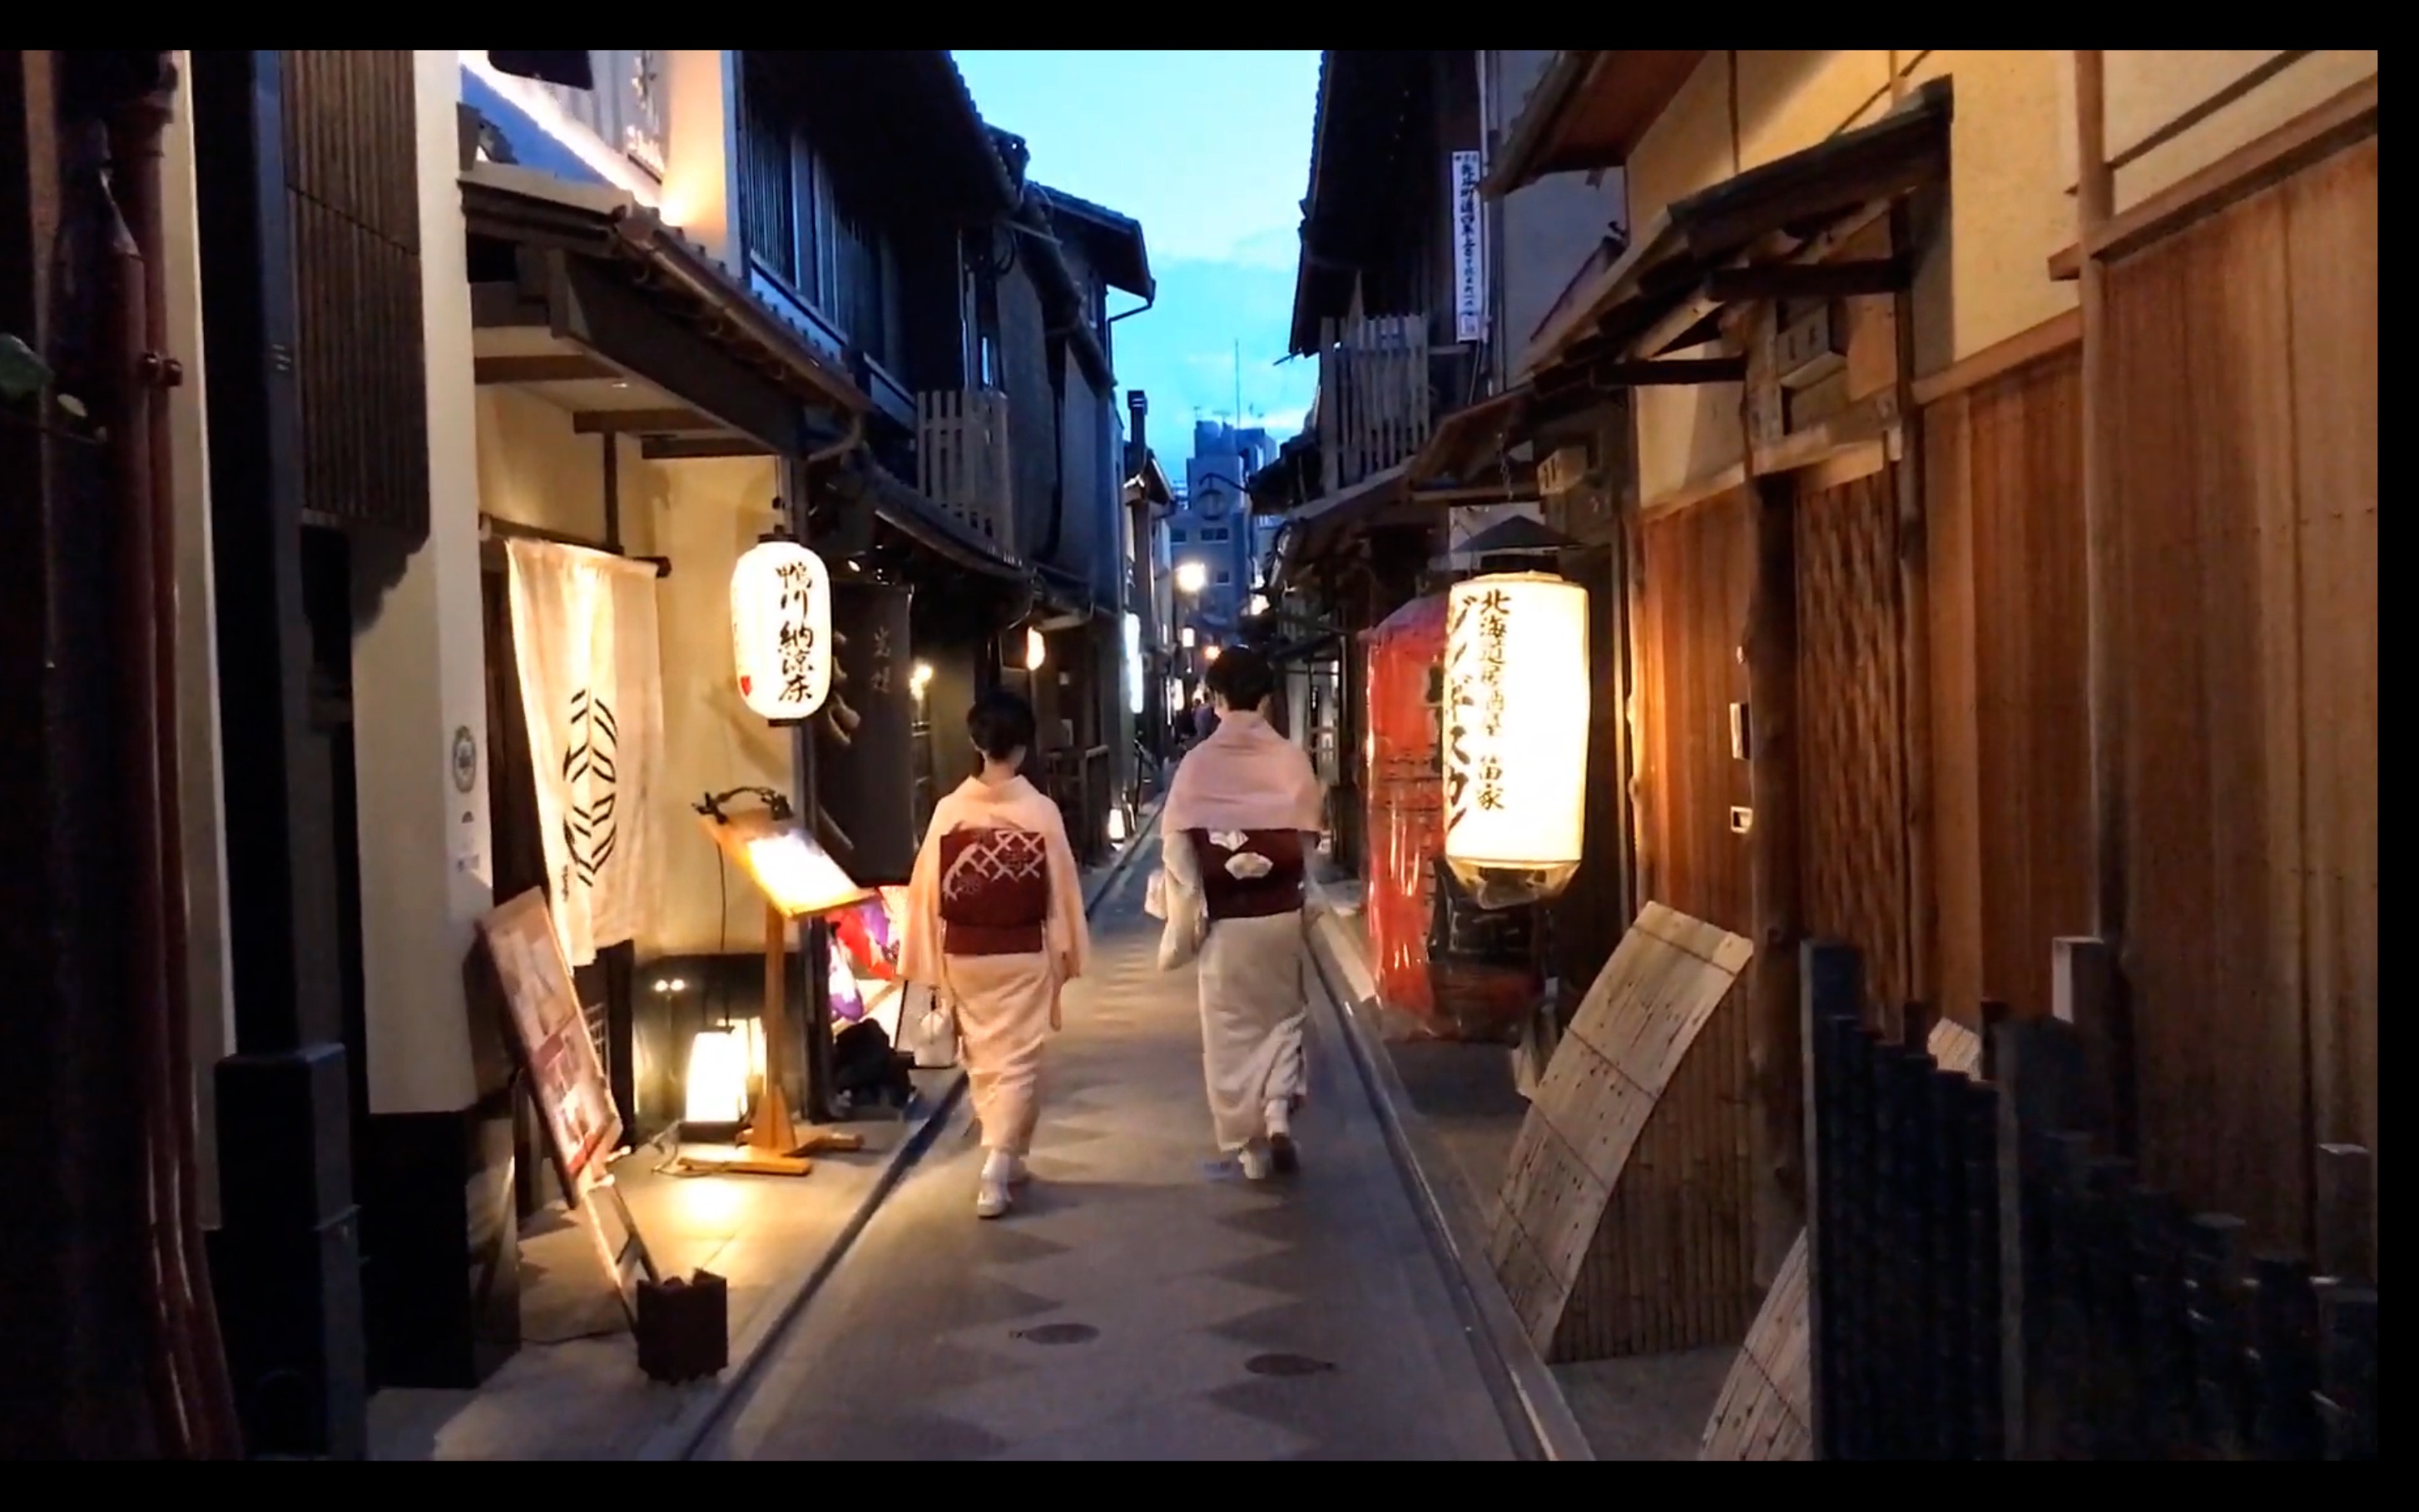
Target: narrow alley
x,y
1794,630
1143,1301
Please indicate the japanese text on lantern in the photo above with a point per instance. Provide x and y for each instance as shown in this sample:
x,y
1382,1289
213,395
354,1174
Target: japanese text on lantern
x,y
1475,703
798,631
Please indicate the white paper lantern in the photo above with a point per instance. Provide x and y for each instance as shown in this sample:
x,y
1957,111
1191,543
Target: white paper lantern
x,y
780,629
1515,734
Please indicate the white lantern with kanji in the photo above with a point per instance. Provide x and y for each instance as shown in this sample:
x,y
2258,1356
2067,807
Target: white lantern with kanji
x,y
1515,734
780,629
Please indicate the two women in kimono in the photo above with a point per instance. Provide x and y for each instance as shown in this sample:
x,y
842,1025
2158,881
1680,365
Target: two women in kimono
x,y
1242,820
997,928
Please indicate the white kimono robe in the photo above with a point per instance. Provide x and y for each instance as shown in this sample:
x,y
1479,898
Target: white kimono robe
x,y
1005,1005
1245,777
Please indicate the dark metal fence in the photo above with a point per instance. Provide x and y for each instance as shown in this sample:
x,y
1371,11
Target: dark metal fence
x,y
1993,1280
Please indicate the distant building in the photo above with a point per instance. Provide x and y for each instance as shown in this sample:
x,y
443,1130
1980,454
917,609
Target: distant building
x,y
1211,523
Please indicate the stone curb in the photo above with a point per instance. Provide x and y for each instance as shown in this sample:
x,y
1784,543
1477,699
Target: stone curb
x,y
1524,1386
680,1438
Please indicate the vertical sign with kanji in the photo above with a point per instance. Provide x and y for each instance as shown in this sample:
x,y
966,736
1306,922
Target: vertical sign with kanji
x,y
1469,249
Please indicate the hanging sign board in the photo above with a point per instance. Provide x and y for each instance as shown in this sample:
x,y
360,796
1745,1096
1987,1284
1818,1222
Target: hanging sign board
x,y
866,776
1469,249
781,629
1515,734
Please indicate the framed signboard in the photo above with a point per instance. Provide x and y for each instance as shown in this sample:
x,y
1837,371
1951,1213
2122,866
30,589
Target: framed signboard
x,y
549,1034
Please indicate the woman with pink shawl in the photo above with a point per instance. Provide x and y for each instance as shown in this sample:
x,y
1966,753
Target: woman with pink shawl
x,y
1241,819
995,928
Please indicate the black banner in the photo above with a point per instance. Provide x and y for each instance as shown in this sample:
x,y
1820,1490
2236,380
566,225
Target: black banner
x,y
865,767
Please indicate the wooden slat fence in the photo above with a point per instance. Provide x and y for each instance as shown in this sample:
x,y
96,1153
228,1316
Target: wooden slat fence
x,y
1989,1281
1374,407
961,461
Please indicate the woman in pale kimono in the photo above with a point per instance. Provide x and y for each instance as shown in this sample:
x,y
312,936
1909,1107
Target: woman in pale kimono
x,y
996,927
1242,820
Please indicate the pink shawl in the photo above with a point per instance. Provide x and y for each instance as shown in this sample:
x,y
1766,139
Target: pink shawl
x,y
1245,775
1012,804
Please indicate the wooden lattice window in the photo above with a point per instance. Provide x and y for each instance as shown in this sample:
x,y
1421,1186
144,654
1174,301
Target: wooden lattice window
x,y
1851,703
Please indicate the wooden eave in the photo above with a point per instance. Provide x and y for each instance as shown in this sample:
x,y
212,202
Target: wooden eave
x,y
895,118
1588,112
1356,138
1763,233
1475,438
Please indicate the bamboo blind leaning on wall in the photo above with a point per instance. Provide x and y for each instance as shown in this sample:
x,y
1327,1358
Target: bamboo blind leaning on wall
x,y
1621,1227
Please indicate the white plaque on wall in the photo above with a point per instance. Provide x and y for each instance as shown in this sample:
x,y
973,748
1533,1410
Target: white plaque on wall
x,y
1469,249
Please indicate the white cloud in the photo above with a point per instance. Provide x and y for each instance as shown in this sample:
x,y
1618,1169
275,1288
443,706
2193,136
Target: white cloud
x,y
1279,247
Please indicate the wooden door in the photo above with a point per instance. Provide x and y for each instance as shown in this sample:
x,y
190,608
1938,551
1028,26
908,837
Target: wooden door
x,y
1699,565
1853,871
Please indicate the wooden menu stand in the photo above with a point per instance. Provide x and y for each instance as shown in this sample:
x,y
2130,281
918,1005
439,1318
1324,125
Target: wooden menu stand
x,y
775,1147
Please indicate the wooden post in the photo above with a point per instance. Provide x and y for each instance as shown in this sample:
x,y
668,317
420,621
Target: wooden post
x,y
771,1132
1831,997
2103,554
2086,993
2347,1217
1774,1056
1904,449
1644,800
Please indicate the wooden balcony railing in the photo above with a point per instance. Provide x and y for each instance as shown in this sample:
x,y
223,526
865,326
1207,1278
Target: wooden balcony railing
x,y
1372,396
961,462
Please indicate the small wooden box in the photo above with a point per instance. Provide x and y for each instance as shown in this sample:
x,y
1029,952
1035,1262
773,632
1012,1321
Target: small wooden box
x,y
684,1327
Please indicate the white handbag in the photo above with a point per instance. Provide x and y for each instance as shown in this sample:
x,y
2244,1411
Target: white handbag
x,y
935,1034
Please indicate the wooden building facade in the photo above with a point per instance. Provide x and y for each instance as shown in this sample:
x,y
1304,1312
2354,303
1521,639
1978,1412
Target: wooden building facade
x,y
1969,614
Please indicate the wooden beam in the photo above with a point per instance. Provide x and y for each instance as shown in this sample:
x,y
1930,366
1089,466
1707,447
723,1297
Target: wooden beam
x,y
1673,371
2306,139
2023,349
688,447
1808,281
1861,425
639,422
563,368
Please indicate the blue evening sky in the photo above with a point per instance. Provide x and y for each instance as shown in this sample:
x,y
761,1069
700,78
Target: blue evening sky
x,y
1211,151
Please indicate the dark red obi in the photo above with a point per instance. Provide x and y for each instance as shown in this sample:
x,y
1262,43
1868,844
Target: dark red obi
x,y
995,892
1229,896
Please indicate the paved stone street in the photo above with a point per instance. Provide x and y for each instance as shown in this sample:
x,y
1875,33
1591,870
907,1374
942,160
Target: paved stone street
x,y
1143,1301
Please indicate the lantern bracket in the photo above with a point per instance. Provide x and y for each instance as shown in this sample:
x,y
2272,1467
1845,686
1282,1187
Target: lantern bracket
x,y
710,805
781,530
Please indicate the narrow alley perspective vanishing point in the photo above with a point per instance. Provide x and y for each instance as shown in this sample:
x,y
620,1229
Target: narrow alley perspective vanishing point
x,y
1143,1301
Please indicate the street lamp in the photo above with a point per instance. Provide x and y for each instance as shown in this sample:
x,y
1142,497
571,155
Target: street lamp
x,y
1191,576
